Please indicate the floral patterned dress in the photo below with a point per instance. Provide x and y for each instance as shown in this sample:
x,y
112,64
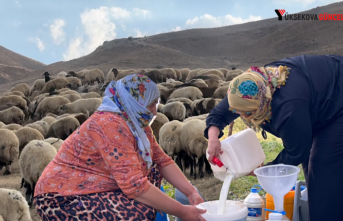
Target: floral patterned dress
x,y
99,160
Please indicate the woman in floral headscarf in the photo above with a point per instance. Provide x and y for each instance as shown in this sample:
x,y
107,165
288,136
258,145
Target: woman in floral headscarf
x,y
300,100
111,167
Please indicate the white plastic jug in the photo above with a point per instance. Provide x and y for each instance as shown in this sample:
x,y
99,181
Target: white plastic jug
x,y
234,211
242,153
255,205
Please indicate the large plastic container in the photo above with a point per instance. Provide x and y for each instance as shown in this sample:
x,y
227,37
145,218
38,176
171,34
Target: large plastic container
x,y
234,211
255,205
288,204
242,153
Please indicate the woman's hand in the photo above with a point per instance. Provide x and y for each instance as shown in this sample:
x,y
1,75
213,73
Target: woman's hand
x,y
191,213
194,198
214,149
214,146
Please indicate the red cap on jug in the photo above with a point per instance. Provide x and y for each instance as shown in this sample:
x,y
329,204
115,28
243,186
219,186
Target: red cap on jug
x,y
217,161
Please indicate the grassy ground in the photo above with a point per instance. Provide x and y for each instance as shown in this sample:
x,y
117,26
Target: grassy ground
x,y
240,188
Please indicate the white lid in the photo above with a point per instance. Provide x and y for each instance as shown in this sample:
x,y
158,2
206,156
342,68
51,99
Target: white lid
x,y
275,216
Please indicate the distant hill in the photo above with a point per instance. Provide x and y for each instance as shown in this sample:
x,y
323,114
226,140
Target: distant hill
x,y
253,43
15,67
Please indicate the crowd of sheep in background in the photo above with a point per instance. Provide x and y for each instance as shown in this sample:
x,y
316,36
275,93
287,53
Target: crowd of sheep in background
x,y
34,121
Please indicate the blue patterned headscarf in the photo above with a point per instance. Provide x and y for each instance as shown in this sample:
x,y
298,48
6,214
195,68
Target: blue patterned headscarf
x,y
130,97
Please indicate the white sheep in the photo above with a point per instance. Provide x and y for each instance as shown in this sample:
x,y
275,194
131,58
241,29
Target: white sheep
x,y
233,73
31,168
15,100
111,75
90,95
56,142
193,141
49,104
168,73
2,124
9,144
49,120
81,106
192,93
169,140
169,137
160,120
62,74
12,115
193,73
15,93
203,106
63,127
54,85
220,92
90,76
38,85
13,206
74,83
22,87
211,72
12,127
174,111
184,73
124,73
41,126
26,134
72,97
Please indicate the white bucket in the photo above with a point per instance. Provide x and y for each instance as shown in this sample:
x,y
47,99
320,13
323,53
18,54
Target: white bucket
x,y
242,153
234,211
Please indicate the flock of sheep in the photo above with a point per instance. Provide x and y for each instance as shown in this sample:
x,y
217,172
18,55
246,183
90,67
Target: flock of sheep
x,y
34,121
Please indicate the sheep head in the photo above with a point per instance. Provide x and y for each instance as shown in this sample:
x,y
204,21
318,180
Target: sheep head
x,y
115,72
63,109
46,74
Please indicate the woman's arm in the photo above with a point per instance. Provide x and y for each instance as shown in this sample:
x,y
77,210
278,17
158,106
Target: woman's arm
x,y
155,198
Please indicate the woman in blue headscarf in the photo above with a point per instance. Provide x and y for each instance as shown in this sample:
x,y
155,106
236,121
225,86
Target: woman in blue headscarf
x,y
111,167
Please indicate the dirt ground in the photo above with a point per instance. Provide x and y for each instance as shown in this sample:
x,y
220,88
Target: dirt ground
x,y
208,186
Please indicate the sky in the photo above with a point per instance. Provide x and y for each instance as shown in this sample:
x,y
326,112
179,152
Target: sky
x,y
60,30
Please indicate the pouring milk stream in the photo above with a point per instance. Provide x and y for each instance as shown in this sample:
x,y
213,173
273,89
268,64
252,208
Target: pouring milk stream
x,y
242,153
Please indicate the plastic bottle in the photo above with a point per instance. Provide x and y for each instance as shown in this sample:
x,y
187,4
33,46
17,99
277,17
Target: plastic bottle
x,y
242,153
277,217
255,205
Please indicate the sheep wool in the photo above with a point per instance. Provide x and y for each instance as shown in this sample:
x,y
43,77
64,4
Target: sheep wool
x,y
169,137
12,127
63,127
160,120
81,106
25,135
56,142
90,95
174,111
22,87
9,144
31,168
12,115
13,206
192,93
